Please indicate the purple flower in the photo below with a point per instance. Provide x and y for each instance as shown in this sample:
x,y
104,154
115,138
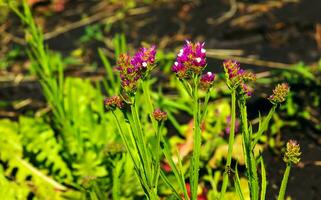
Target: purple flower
x,y
132,69
190,59
207,80
232,70
129,74
237,77
144,58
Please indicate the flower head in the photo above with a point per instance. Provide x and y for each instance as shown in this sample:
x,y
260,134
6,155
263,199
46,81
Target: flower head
x,y
232,70
129,74
190,59
132,69
144,58
235,75
159,115
111,103
207,80
238,78
280,93
292,153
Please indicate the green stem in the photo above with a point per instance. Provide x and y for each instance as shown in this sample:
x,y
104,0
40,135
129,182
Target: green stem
x,y
157,156
197,142
152,195
141,142
248,153
284,182
230,145
127,145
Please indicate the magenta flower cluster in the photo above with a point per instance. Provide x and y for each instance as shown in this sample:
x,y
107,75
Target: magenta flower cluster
x,y
238,77
190,59
144,58
207,80
134,68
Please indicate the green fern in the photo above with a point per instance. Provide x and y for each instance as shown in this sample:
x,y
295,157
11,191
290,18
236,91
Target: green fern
x,y
39,139
22,172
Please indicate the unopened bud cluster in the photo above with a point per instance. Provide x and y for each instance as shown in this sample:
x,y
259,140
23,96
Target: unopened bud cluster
x,y
111,103
159,115
236,77
292,153
132,69
280,93
207,80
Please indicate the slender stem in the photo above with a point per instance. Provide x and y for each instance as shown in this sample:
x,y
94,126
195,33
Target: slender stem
x,y
197,142
230,145
248,153
284,182
122,135
152,195
157,156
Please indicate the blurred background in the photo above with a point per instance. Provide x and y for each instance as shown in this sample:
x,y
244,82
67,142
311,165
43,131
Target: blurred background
x,y
280,40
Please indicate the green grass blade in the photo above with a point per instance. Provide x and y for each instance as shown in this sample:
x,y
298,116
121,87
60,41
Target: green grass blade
x,y
263,179
237,184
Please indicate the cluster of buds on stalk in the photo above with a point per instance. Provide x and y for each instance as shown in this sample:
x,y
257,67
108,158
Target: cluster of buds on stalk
x,y
132,69
207,80
238,78
292,153
280,93
159,115
190,62
111,103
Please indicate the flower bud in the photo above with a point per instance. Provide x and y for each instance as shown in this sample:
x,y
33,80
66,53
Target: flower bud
x,y
111,103
280,93
236,76
159,115
207,80
245,89
292,153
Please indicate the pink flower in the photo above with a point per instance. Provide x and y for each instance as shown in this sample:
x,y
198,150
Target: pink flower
x,y
144,58
190,59
132,69
207,80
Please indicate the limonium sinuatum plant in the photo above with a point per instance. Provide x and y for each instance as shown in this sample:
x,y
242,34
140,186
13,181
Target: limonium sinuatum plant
x,y
189,68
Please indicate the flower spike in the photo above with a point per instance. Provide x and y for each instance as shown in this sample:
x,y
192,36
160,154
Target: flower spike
x,y
280,93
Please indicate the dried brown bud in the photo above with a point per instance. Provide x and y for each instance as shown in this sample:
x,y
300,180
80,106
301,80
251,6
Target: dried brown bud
x,y
113,102
280,93
159,115
292,153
